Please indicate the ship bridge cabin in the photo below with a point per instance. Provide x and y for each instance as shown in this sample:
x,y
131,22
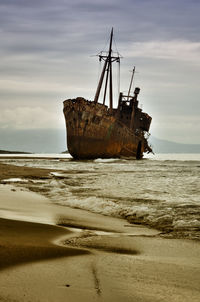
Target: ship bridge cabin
x,y
129,113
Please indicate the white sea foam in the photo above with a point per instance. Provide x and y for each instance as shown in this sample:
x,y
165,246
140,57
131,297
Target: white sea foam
x,y
57,174
38,155
179,224
8,180
106,160
174,156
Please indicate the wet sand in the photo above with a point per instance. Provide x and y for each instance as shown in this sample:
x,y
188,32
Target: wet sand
x,y
88,257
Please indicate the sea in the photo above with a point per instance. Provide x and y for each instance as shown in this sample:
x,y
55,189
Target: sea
x,y
161,191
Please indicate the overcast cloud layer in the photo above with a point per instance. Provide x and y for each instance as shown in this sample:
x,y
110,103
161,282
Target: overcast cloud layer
x,y
46,56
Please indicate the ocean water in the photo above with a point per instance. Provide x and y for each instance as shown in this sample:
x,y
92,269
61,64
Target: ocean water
x,y
161,191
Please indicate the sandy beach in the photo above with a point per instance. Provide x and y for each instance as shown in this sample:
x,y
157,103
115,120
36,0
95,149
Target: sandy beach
x,y
49,252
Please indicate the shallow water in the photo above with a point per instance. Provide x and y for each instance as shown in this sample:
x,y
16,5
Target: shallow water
x,y
161,191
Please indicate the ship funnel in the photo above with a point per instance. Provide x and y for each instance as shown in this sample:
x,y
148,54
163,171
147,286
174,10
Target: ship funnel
x,y
136,92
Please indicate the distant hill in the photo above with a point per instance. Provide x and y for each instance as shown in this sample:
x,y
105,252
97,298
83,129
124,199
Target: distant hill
x,y
13,152
54,141
164,146
33,141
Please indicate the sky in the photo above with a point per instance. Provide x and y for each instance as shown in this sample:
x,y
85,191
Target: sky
x,y
48,54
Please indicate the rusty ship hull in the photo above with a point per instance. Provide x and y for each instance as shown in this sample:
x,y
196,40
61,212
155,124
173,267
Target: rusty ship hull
x,y
95,132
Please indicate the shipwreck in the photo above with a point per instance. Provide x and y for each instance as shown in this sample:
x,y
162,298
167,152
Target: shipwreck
x,y
97,130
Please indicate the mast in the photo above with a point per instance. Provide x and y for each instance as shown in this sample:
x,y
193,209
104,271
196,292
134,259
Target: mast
x,y
106,84
110,65
107,68
100,83
133,72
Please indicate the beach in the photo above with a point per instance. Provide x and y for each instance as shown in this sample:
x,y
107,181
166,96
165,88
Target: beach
x,y
53,252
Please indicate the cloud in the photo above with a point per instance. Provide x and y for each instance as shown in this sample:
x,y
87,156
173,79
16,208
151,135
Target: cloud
x,y
181,50
30,118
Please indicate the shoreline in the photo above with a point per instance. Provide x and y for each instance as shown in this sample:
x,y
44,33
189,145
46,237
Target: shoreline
x,y
95,257
69,182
